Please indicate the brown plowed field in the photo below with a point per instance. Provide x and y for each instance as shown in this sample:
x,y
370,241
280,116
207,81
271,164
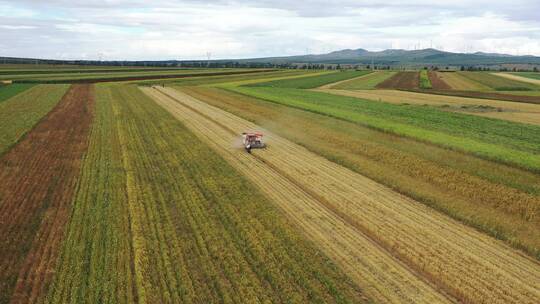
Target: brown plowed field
x,y
396,249
37,181
402,80
436,82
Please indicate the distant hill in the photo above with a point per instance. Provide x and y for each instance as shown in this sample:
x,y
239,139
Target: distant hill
x,y
403,57
391,57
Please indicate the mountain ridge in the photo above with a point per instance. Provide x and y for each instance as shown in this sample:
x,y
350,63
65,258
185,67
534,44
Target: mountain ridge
x,y
428,56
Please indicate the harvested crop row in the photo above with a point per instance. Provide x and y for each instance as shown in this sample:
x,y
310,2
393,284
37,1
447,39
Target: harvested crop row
x,y
200,232
506,110
401,80
20,113
500,200
432,244
37,181
381,275
436,82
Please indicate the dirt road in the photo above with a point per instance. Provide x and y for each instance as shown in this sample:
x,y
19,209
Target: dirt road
x,y
396,249
509,110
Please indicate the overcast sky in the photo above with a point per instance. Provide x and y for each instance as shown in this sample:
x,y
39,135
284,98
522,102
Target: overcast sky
x,y
167,29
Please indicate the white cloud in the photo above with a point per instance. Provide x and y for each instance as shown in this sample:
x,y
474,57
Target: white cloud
x,y
16,27
164,29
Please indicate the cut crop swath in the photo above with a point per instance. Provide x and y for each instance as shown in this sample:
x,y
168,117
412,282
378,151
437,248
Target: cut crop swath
x,y
498,199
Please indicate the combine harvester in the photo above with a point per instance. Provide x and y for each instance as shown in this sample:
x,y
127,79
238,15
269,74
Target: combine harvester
x,y
252,140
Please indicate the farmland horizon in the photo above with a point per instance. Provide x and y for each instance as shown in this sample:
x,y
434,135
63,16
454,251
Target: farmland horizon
x,y
357,50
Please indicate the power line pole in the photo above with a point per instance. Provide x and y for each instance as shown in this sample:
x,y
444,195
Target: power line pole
x,y
208,56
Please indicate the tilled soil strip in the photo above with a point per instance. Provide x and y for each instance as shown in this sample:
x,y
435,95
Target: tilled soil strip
x,y
401,80
388,227
37,181
436,82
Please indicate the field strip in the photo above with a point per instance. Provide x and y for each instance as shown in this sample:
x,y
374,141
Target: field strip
x,y
38,178
431,243
512,111
518,78
22,112
457,82
270,79
331,85
377,272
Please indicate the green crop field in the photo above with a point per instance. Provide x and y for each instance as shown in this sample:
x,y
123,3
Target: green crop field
x,y
368,82
498,83
20,113
312,81
8,91
529,75
512,143
425,83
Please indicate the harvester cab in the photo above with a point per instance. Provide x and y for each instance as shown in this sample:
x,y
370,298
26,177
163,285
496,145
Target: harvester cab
x,y
252,140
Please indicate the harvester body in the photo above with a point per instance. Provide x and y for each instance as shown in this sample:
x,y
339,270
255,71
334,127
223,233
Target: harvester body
x,y
252,140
